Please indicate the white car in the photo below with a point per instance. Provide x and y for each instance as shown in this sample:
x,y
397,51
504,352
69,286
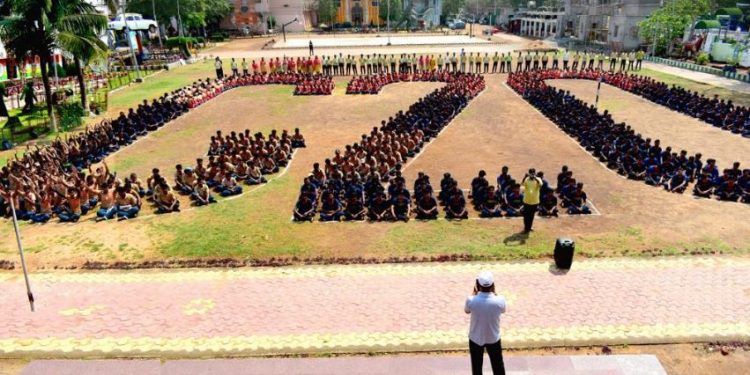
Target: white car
x,y
135,22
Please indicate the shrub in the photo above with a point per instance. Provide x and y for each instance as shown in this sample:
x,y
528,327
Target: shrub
x,y
71,115
702,58
217,37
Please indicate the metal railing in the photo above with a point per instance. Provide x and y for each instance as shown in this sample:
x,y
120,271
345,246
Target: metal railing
x,y
700,68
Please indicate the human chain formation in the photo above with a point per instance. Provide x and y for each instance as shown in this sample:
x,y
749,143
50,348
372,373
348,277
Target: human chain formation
x,y
379,156
621,148
359,199
372,84
59,179
365,65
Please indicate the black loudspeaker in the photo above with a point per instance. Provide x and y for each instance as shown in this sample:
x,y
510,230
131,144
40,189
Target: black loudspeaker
x,y
564,249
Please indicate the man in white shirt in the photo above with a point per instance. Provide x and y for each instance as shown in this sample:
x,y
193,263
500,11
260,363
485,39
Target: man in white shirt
x,y
485,307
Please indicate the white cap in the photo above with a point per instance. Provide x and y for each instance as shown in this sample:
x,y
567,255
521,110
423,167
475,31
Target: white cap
x,y
485,279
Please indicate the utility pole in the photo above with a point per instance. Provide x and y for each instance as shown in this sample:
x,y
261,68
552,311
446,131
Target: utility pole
x,y
388,23
179,17
130,45
158,30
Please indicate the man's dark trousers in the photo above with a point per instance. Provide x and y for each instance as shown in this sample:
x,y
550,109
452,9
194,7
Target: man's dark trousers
x,y
494,351
529,211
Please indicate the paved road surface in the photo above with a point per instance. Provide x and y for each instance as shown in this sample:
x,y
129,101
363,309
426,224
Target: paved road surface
x,y
372,308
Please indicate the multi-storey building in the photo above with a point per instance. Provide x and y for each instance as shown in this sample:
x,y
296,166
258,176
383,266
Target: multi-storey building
x,y
610,23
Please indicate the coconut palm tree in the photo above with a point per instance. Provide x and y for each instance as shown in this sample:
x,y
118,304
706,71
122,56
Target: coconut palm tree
x,y
26,33
78,28
37,27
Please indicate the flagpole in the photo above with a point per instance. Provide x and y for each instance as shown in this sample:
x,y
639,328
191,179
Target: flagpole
x,y
20,251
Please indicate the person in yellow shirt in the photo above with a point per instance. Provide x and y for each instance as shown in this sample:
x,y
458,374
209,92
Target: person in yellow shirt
x,y
532,185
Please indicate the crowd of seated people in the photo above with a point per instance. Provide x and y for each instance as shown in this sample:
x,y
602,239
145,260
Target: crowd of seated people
x,y
353,177
357,199
372,84
505,198
202,91
723,114
622,149
57,180
53,181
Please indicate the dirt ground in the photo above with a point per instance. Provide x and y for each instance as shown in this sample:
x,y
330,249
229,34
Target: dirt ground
x,y
498,128
678,359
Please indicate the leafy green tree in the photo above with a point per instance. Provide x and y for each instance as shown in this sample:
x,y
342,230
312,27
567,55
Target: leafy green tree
x,y
669,22
194,13
28,32
77,32
394,6
37,27
452,7
326,11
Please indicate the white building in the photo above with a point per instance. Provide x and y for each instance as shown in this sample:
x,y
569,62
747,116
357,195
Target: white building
x,y
609,23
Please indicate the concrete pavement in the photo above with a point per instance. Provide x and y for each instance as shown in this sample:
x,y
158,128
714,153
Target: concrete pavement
x,y
374,308
387,365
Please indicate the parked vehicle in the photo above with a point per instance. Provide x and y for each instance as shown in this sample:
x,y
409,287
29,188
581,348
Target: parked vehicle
x,y
457,25
134,22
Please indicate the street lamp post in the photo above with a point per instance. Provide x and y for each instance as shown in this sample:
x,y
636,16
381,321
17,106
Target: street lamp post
x,y
284,25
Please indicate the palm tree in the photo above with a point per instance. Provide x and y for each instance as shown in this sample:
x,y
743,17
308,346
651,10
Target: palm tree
x,y
78,27
37,27
26,33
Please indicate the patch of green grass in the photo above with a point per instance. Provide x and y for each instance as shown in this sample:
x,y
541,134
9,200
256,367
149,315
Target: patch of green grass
x,y
155,86
464,237
737,97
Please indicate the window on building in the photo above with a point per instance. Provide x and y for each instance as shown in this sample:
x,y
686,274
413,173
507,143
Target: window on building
x,y
617,31
375,3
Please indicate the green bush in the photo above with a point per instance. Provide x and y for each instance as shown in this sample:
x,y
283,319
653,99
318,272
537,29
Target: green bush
x,y
707,24
218,37
729,11
71,115
702,58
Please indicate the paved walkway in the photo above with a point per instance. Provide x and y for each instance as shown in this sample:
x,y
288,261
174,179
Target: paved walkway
x,y
371,308
403,365
707,78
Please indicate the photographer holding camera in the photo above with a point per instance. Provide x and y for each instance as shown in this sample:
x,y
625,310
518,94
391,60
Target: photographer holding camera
x,y
532,185
485,307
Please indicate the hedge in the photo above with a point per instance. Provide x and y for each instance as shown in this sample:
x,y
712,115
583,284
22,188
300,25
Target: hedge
x,y
729,11
707,24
